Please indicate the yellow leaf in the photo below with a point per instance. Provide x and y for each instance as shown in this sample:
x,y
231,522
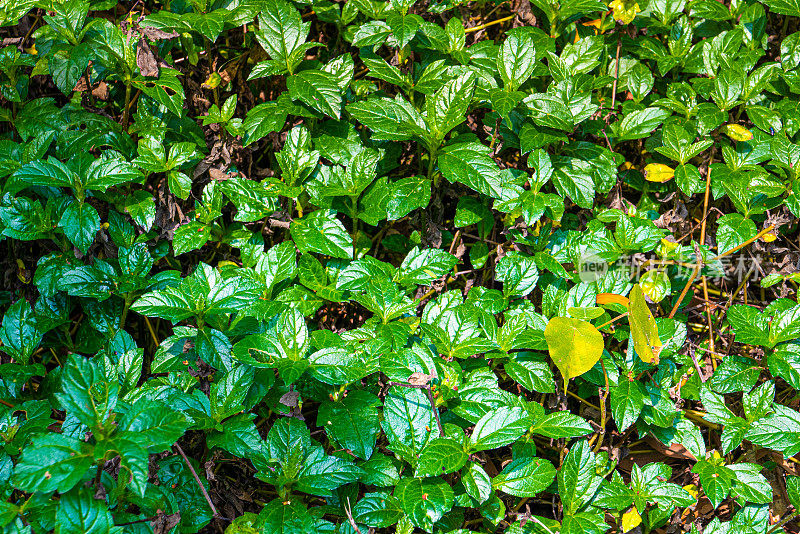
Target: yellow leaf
x,y
669,246
655,284
574,345
630,520
624,10
612,298
769,237
587,314
692,490
213,81
643,327
737,132
658,172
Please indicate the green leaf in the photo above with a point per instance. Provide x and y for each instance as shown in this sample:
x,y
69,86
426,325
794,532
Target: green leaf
x,y
227,395
561,425
52,462
338,365
19,334
80,513
50,173
447,107
470,163
525,477
282,34
80,223
627,401
750,326
749,485
157,424
575,346
779,431
516,60
321,474
498,428
378,510
644,331
190,237
280,516
406,195
262,120
167,90
785,325
638,124
441,456
577,479
793,490
390,120
716,480
320,231
87,393
518,273
785,363
421,267
476,482
407,419
572,178
404,27
733,230
735,374
424,501
317,89
352,422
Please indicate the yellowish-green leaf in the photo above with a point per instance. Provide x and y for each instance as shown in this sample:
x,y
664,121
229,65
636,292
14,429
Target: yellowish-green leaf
x,y
658,172
612,298
737,132
587,314
631,519
574,345
643,327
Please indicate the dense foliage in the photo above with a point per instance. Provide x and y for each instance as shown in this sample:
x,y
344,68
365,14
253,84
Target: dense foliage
x,y
364,265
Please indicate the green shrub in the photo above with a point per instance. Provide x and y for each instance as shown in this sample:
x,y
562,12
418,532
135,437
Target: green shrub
x,y
362,266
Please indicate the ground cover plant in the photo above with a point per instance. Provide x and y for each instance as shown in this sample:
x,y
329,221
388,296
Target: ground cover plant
x,y
360,266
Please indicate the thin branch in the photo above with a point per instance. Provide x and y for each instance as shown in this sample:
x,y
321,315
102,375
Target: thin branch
x,y
616,74
348,512
427,388
482,26
197,479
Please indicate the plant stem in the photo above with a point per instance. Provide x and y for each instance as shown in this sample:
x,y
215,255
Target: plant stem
x,y
427,388
740,247
789,519
482,26
616,74
197,479
125,309
126,110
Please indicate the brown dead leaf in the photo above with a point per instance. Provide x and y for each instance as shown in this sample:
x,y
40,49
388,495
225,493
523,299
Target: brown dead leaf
x,y
290,399
146,60
154,34
101,91
164,523
675,450
419,379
